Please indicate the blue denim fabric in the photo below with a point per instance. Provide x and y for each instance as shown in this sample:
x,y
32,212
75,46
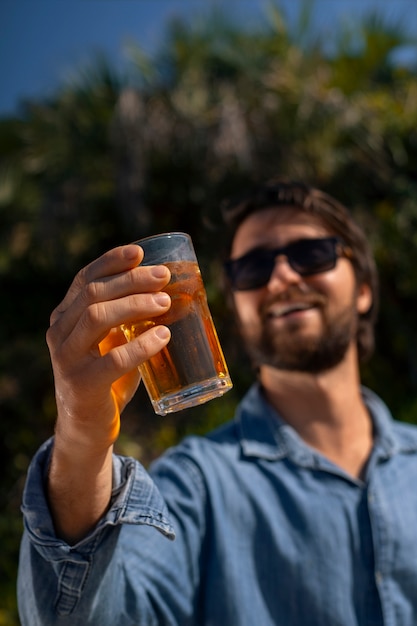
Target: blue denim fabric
x,y
268,532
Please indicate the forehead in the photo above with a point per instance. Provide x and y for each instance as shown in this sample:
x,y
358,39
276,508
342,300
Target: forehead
x,y
274,227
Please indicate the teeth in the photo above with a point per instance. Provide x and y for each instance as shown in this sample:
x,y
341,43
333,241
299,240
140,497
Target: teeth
x,y
283,309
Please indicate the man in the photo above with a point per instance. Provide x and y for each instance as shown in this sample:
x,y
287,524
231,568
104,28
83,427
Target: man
x,y
301,512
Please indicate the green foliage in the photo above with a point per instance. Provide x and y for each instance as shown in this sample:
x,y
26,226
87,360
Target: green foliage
x,y
110,160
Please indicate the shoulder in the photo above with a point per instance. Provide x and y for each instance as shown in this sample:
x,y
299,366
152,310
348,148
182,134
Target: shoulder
x,y
394,436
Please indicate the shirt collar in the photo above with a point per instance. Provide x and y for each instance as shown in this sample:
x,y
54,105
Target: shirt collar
x,y
391,436
264,434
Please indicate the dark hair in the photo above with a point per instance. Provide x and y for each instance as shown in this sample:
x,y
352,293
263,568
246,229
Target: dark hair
x,y
283,193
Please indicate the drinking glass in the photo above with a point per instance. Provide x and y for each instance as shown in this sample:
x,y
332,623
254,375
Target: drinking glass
x,y
191,369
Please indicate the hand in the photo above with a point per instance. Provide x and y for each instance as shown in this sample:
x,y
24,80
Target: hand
x,y
95,369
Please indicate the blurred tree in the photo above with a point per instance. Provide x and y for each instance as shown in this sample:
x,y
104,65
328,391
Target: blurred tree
x,y
220,106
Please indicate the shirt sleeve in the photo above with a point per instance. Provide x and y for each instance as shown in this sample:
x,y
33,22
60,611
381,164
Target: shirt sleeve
x,y
52,574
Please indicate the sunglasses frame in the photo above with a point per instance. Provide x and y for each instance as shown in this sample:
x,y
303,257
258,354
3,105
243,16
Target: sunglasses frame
x,y
268,258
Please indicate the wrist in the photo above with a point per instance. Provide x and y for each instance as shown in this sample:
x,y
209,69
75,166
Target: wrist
x,y
87,435
79,489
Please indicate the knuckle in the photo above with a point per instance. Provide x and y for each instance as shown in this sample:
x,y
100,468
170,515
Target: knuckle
x,y
113,360
117,362
81,277
91,292
54,316
131,277
149,343
92,316
126,357
50,338
53,334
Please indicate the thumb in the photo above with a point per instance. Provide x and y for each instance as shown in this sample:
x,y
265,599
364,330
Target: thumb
x,y
124,388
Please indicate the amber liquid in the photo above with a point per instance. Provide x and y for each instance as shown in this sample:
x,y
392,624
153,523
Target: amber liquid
x,y
191,369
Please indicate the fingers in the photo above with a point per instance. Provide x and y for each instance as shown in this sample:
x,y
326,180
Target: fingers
x,y
97,301
87,356
95,369
111,263
121,360
85,327
93,376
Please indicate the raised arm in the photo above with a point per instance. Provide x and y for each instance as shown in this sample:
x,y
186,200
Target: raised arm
x,y
95,372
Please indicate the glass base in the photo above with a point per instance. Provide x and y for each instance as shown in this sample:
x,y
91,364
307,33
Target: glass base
x,y
192,395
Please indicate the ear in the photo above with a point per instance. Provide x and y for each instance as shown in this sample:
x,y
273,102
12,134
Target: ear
x,y
364,298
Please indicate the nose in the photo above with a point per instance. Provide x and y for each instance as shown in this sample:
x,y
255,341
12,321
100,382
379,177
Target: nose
x,y
282,275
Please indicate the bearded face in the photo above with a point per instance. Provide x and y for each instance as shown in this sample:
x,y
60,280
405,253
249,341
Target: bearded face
x,y
296,321
281,339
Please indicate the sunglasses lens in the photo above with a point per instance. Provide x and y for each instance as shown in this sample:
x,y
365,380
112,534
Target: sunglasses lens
x,y
252,270
307,257
311,256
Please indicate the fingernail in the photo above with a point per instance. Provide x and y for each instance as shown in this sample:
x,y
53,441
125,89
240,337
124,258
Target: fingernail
x,y
130,252
159,271
162,298
162,332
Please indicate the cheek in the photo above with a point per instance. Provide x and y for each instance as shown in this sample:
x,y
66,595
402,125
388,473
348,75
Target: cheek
x,y
342,293
246,307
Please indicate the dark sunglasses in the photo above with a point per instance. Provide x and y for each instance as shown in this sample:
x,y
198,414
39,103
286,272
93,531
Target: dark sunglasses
x,y
305,256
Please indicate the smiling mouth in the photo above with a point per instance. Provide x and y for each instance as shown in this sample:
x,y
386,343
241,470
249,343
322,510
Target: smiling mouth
x,y
284,309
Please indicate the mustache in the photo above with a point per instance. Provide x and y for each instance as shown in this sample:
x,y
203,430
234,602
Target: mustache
x,y
294,294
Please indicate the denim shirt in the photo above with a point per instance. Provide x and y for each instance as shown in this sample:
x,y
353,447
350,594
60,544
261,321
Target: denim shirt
x,y
267,532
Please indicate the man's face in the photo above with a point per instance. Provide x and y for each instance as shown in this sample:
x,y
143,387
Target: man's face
x,y
294,322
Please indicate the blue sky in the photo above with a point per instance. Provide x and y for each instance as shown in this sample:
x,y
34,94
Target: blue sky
x,y
44,42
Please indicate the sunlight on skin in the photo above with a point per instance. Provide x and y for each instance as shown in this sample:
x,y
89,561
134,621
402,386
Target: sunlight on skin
x,y
124,387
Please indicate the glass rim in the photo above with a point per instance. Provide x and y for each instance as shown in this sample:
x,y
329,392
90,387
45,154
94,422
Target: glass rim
x,y
174,233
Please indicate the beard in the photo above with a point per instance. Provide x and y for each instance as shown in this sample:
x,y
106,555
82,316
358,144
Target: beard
x,y
291,349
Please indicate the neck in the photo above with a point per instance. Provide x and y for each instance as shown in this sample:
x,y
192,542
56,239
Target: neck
x,y
326,410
